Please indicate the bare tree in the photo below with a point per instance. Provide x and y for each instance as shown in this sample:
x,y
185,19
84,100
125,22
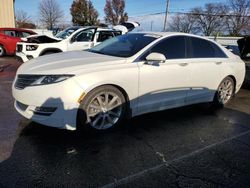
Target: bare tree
x,y
210,19
83,13
23,20
50,13
115,12
183,23
239,19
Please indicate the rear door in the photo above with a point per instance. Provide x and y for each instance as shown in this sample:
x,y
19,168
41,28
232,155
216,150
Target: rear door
x,y
105,35
206,63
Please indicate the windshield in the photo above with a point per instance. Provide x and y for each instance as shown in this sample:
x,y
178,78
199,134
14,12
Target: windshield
x,y
124,45
67,32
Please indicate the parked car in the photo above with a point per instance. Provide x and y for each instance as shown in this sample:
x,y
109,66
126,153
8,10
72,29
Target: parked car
x,y
9,38
73,38
244,48
126,76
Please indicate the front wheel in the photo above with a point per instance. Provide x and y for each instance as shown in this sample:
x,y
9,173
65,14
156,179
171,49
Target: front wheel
x,y
102,109
224,92
2,51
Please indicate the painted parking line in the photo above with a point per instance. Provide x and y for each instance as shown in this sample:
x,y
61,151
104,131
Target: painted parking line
x,y
167,163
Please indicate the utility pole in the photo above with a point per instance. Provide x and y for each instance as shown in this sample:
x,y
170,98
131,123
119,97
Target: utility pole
x,y
152,25
166,16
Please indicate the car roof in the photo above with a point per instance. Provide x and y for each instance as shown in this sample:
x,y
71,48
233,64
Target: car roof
x,y
163,34
16,29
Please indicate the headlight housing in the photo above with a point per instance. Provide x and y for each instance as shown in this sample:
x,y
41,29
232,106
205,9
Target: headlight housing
x,y
50,79
31,47
27,80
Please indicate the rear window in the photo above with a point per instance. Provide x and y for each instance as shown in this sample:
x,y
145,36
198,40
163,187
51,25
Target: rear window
x,y
200,48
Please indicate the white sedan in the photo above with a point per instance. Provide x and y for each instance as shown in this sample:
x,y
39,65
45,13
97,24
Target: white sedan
x,y
124,77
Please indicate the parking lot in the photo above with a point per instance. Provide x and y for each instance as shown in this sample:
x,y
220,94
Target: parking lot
x,y
184,147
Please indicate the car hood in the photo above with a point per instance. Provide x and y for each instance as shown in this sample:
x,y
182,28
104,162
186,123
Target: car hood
x,y
69,63
40,39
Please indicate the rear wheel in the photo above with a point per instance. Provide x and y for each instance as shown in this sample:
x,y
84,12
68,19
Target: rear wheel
x,y
2,51
102,109
225,91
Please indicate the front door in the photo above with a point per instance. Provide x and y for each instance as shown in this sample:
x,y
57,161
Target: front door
x,y
82,40
164,85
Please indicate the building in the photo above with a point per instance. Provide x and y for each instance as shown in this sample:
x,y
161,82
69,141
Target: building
x,y
7,15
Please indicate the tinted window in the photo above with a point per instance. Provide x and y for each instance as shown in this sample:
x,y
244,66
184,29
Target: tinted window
x,y
104,35
85,36
172,48
124,45
200,48
117,33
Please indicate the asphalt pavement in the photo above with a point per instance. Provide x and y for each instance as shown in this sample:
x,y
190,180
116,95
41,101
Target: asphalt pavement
x,y
184,147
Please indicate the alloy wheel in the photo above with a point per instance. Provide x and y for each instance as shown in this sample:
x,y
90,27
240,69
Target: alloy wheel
x,y
104,110
225,91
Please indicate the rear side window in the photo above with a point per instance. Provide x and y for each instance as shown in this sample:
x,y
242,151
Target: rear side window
x,y
104,35
10,33
25,34
172,48
200,48
117,33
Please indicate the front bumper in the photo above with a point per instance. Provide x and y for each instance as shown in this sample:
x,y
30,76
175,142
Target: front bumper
x,y
54,105
22,57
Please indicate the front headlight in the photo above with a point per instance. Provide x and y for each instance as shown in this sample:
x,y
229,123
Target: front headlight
x,y
50,79
31,47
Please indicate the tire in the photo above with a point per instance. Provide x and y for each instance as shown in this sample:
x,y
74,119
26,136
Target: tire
x,y
2,51
104,108
225,92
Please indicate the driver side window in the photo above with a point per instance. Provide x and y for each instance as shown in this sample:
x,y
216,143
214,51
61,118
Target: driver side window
x,y
172,48
85,36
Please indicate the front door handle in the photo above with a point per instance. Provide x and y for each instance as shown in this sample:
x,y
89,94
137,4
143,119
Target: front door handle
x,y
218,63
183,64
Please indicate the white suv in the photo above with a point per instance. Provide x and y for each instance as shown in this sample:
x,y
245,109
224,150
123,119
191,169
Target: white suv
x,y
71,39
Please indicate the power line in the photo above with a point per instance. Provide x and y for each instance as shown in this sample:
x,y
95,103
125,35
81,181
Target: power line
x,y
191,13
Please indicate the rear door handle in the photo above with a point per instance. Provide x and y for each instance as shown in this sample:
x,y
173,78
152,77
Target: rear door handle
x,y
183,64
218,63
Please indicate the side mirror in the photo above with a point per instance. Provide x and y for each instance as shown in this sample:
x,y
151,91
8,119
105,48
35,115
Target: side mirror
x,y
156,57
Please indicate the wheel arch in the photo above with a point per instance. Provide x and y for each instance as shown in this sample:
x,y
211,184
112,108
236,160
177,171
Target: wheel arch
x,y
235,82
55,50
120,88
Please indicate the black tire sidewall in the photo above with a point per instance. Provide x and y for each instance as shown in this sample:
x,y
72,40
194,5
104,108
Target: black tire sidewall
x,y
4,52
82,116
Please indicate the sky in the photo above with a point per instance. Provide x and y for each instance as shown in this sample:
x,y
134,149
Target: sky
x,y
138,10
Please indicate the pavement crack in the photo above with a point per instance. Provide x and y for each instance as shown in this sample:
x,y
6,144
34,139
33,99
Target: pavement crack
x,y
178,174
158,154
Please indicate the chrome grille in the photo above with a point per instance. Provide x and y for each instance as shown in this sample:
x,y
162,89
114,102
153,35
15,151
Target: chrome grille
x,y
19,47
24,81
